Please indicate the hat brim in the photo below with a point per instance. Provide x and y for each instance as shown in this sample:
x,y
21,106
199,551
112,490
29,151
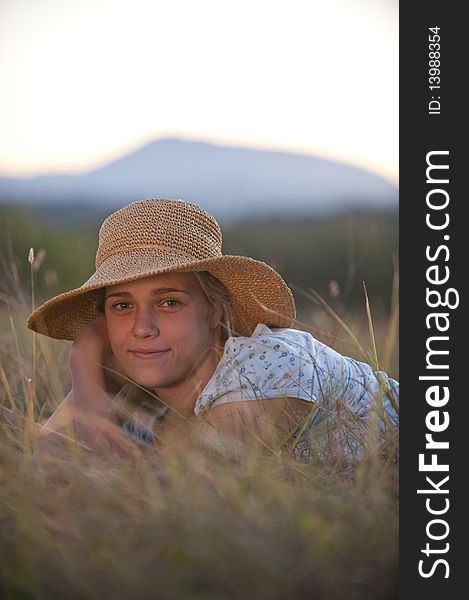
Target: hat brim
x,y
258,292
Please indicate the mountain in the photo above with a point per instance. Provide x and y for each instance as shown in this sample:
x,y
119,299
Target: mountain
x,y
229,182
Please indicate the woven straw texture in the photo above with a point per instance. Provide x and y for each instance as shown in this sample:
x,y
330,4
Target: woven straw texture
x,y
162,235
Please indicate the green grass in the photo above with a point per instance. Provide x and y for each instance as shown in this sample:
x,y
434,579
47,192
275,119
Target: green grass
x,y
201,526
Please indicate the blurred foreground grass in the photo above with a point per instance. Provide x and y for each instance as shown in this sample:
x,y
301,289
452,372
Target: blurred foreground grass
x,y
197,527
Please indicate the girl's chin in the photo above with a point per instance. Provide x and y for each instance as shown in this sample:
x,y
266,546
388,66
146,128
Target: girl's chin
x,y
148,383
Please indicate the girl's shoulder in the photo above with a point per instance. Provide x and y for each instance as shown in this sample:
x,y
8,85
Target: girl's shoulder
x,y
266,339
271,363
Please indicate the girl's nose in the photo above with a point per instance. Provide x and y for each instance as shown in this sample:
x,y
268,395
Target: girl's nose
x,y
145,324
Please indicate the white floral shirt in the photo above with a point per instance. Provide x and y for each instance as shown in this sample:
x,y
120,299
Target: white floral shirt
x,y
280,363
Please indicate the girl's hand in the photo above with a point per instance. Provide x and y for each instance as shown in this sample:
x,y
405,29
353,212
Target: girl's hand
x,y
91,345
86,365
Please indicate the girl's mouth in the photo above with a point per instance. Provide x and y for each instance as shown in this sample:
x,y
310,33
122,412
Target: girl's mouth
x,y
148,354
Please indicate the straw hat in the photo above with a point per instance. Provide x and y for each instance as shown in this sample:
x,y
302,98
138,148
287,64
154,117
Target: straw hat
x,y
160,235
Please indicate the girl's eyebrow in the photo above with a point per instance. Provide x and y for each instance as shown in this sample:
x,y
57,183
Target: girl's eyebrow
x,y
154,292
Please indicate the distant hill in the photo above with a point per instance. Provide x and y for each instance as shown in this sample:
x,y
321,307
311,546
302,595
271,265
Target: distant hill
x,y
232,183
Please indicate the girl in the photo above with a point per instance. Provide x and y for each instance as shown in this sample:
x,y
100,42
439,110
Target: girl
x,y
176,345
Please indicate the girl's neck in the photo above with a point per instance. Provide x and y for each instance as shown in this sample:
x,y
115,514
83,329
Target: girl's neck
x,y
182,399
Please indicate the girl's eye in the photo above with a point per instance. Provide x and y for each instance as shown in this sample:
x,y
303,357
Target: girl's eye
x,y
171,303
121,305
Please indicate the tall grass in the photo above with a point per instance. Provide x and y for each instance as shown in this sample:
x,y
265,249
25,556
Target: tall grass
x,y
197,526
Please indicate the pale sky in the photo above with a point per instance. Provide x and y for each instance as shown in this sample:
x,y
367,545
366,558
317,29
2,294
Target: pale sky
x,y
83,82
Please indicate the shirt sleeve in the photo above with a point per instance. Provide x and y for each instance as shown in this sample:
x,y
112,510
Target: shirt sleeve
x,y
289,363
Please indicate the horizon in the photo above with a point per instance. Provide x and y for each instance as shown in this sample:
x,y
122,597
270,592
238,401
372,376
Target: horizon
x,y
165,139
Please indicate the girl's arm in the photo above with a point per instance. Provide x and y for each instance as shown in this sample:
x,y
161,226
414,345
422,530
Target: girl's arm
x,y
237,426
87,412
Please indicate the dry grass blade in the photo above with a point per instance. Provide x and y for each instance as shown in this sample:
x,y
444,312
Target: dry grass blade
x,y
392,333
371,330
314,295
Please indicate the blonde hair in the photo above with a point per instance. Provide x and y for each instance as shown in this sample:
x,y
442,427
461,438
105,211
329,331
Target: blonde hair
x,y
219,299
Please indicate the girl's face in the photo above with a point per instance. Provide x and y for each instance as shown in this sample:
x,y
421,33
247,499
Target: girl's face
x,y
161,332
